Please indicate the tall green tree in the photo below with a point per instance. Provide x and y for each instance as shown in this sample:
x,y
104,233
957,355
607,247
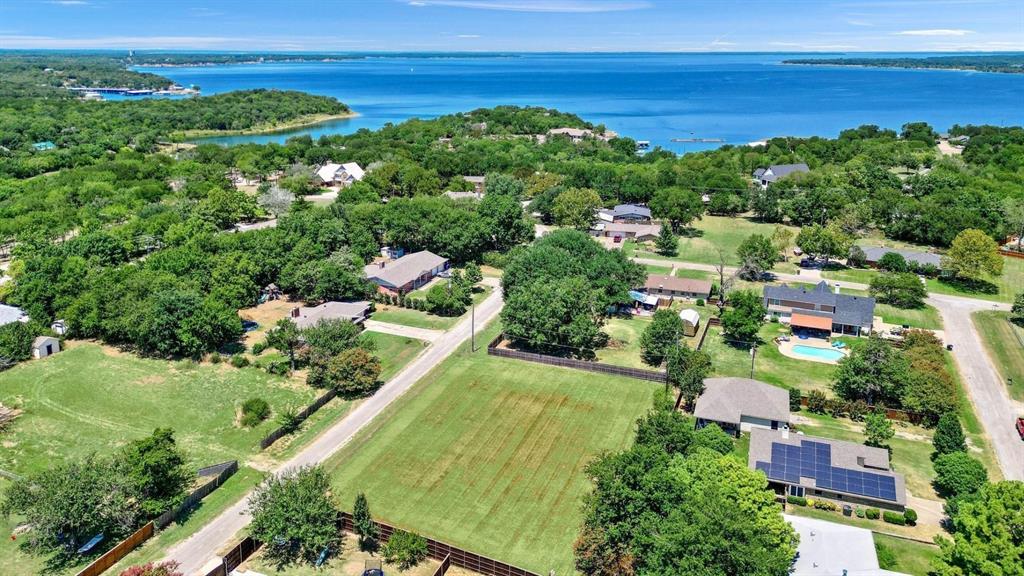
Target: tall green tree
x,y
353,373
667,243
874,372
157,470
661,334
1017,310
576,208
677,205
686,369
744,317
973,256
949,435
900,289
986,539
757,255
294,516
365,527
285,337
959,474
877,430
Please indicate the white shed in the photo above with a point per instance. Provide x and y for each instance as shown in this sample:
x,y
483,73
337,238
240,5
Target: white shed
x,y
44,346
691,321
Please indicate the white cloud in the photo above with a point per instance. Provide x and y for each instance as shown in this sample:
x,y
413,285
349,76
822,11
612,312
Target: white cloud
x,y
567,6
69,2
936,32
468,36
856,22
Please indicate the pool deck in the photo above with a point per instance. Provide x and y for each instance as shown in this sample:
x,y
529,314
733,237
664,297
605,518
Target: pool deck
x,y
786,348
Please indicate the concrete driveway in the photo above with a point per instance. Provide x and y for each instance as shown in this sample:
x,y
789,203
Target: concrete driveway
x,y
203,547
403,330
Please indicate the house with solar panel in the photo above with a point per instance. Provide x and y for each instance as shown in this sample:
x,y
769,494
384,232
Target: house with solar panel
x,y
820,311
811,467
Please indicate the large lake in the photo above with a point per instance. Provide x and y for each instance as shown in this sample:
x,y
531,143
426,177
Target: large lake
x,y
657,97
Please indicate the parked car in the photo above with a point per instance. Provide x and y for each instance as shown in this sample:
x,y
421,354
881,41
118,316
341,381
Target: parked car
x,y
1020,427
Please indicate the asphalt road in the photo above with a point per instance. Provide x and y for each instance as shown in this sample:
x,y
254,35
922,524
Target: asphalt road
x,y
202,547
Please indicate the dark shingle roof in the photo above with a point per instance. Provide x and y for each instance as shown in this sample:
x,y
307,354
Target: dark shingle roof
x,y
627,209
850,310
875,253
780,170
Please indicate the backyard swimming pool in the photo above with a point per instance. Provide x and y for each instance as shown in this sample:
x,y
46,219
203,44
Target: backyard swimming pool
x,y
829,354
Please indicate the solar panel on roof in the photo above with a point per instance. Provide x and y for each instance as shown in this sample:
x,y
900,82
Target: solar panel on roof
x,y
814,460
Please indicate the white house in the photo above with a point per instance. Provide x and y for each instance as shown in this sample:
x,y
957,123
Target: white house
x,y
332,174
44,346
765,176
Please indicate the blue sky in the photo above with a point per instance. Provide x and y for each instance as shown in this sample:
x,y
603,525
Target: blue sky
x,y
516,25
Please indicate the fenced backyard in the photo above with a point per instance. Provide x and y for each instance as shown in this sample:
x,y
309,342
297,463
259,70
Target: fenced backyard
x,y
497,347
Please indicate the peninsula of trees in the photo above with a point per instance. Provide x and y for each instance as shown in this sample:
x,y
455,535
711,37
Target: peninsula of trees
x,y
1003,63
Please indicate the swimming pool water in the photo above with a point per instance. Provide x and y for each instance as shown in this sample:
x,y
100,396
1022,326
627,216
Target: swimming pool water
x,y
823,353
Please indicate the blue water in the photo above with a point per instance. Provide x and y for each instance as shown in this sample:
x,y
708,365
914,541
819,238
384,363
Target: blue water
x,y
656,97
823,353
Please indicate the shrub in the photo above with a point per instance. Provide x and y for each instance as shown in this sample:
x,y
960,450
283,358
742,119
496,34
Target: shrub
x,y
215,358
794,400
886,557
258,348
910,515
254,411
797,500
495,259
775,319
405,549
288,419
277,367
859,512
166,568
834,407
949,435
816,402
959,474
825,505
894,518
700,301
857,409
239,361
872,513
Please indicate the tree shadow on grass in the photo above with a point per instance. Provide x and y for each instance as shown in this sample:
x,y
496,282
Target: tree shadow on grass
x,y
971,286
690,232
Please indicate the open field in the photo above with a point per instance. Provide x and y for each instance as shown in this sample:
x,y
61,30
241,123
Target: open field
x,y
93,399
420,319
1007,286
1004,342
710,233
488,453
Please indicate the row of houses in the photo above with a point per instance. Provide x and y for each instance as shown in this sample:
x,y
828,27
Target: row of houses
x,y
796,464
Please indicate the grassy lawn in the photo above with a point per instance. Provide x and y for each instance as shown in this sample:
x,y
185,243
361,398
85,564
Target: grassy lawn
x,y
88,399
420,319
927,317
652,269
488,453
624,345
394,351
1005,344
769,365
712,232
856,275
913,558
1005,287
873,525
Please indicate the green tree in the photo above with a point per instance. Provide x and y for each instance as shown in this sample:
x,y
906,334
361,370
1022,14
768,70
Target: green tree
x,y
949,435
712,437
294,516
677,205
365,527
986,539
1017,310
473,274
686,369
285,337
70,503
900,289
744,317
874,372
404,549
333,336
893,262
667,243
16,343
447,299
353,373
505,220
877,430
157,471
576,208
757,255
973,256
554,313
782,237
959,474
660,335
826,242
665,428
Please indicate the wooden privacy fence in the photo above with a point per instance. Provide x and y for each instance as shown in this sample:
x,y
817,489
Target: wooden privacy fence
x,y
220,473
639,373
300,418
446,552
445,565
115,554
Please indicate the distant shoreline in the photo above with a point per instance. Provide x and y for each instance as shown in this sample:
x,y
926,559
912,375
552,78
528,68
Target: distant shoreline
x,y
917,65
297,123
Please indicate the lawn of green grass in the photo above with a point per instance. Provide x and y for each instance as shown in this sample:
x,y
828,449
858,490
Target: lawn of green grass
x,y
87,399
914,558
926,317
652,269
855,275
876,526
624,343
394,351
1004,342
710,233
696,274
420,319
769,365
488,453
1007,285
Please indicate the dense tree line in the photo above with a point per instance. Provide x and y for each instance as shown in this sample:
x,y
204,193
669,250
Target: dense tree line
x,y
1006,63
